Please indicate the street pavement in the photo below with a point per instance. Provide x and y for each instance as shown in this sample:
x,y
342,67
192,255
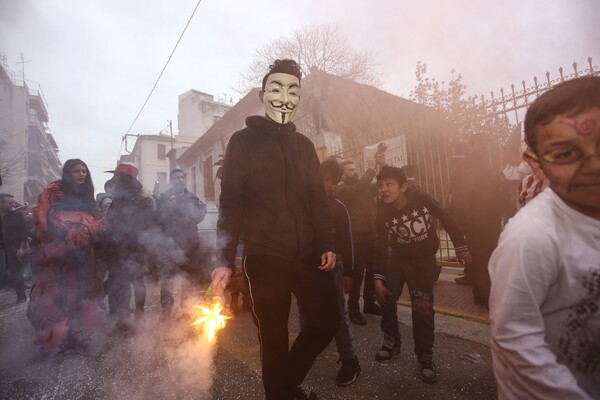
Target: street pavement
x,y
173,361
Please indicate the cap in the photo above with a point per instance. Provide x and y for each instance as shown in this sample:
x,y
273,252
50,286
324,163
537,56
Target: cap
x,y
125,169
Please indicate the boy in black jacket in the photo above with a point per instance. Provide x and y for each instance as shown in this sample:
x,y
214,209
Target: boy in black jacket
x,y
405,251
344,342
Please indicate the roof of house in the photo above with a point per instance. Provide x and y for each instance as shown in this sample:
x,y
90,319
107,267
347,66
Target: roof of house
x,y
349,109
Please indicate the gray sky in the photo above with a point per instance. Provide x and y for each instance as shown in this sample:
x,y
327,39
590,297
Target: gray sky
x,y
96,60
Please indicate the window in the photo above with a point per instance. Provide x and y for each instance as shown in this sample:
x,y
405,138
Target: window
x,y
161,151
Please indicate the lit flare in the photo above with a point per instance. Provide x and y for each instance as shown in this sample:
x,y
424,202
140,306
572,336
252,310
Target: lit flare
x,y
210,319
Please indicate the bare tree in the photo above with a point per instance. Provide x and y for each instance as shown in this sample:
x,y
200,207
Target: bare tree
x,y
320,46
468,115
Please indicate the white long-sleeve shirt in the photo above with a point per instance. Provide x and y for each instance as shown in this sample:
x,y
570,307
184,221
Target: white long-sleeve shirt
x,y
545,303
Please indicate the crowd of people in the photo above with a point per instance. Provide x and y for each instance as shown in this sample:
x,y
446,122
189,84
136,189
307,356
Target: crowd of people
x,y
322,233
91,250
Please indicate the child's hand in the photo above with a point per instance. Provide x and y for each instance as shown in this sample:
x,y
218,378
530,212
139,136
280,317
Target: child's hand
x,y
382,294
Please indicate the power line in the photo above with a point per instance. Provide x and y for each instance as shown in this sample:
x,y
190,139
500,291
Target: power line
x,y
163,70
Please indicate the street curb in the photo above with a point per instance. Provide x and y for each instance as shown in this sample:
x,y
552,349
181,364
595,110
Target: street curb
x,y
453,312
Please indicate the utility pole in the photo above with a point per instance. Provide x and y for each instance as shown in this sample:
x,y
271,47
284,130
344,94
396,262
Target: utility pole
x,y
22,62
171,131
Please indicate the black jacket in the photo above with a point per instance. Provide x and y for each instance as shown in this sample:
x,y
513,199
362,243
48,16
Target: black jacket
x,y
411,231
360,200
342,234
14,229
181,221
272,193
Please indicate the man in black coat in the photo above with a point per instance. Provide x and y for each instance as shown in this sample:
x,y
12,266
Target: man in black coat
x,y
358,196
273,194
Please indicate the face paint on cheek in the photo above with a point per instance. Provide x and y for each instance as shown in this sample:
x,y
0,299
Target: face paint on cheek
x,y
585,128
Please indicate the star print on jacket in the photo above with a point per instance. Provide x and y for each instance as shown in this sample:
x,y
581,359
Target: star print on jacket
x,y
411,232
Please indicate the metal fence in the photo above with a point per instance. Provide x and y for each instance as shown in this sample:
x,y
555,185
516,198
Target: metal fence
x,y
433,143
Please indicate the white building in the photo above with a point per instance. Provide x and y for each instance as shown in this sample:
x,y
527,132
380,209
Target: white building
x,y
28,153
156,155
151,156
197,112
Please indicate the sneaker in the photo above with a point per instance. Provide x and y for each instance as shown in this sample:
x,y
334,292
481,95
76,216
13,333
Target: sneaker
x,y
303,392
372,309
463,280
389,350
348,373
428,373
357,318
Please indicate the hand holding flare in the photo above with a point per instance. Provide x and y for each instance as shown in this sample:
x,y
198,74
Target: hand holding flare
x,y
210,318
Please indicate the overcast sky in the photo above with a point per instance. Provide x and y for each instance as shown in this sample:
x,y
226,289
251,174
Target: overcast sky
x,y
96,60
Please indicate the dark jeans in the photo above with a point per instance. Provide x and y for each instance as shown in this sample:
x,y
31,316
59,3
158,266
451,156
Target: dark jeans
x,y
272,280
120,276
14,267
481,244
344,341
419,275
363,268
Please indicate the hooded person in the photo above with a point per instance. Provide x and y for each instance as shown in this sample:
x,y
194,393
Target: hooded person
x,y
66,285
128,220
272,194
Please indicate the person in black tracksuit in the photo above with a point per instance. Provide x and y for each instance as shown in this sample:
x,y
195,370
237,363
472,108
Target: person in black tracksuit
x,y
273,195
405,250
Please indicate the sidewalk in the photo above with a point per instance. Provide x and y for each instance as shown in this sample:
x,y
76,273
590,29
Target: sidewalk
x,y
453,299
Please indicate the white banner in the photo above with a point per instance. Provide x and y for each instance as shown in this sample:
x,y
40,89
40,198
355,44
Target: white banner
x,y
393,148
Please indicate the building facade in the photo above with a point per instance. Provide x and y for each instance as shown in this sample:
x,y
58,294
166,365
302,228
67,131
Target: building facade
x,y
152,156
28,152
198,112
156,155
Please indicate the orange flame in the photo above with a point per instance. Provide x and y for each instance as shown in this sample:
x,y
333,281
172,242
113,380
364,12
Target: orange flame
x,y
211,320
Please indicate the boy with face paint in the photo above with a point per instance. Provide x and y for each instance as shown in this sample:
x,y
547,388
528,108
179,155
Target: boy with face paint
x,y
545,272
272,194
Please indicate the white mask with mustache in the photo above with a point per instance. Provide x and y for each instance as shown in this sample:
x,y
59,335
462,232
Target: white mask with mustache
x,y
281,97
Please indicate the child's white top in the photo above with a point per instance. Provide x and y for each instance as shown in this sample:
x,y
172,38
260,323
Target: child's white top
x,y
545,303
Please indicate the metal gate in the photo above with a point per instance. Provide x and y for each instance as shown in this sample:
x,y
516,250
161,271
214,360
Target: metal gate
x,y
433,142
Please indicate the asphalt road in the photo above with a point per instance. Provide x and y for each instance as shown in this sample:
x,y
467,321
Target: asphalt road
x,y
172,361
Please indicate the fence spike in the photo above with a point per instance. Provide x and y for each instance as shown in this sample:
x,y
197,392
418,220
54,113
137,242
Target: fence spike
x,y
575,69
562,77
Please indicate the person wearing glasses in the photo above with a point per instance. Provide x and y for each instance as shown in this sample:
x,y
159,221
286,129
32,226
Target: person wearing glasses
x,y
545,294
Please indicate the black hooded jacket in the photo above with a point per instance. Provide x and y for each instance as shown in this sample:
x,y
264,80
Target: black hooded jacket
x,y
272,194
